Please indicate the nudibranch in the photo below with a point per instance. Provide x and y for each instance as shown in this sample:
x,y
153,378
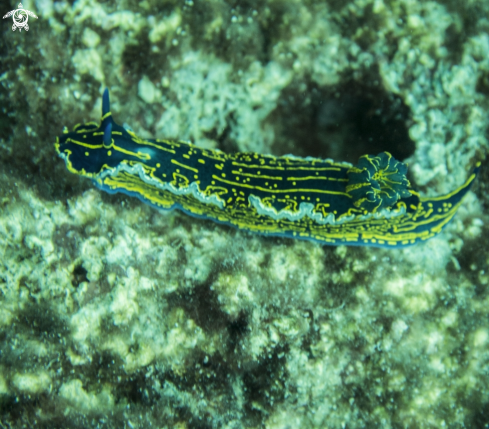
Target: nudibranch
x,y
370,204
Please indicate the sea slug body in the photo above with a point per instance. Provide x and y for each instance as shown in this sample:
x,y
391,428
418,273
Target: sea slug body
x,y
370,204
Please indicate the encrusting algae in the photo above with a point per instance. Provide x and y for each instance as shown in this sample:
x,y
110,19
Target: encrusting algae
x,y
114,314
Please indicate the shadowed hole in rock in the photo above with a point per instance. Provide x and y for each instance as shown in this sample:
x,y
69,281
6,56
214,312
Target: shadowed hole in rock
x,y
341,122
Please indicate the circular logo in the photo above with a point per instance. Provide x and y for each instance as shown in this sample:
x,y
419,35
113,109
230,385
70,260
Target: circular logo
x,y
20,18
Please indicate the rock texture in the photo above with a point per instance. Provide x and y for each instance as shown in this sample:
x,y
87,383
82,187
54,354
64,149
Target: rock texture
x,y
113,314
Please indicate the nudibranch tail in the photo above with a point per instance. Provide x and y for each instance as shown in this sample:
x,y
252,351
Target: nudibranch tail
x,y
370,204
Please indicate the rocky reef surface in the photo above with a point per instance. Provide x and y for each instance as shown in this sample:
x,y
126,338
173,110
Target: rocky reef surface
x,y
113,314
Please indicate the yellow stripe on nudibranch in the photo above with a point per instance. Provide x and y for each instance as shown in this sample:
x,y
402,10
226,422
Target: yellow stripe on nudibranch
x,y
370,204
